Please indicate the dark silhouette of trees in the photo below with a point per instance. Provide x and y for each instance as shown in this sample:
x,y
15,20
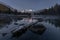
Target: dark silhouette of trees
x,y
54,10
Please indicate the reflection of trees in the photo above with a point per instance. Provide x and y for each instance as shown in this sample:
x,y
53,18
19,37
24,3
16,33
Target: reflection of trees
x,y
56,22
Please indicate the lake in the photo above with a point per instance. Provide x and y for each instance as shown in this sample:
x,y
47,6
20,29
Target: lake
x,y
52,32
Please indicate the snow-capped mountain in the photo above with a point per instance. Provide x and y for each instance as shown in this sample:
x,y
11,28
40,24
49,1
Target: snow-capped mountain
x,y
27,10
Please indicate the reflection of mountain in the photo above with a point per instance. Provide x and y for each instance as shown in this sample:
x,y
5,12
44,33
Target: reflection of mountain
x,y
5,19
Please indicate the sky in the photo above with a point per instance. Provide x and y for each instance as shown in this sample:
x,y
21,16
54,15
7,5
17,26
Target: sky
x,y
30,4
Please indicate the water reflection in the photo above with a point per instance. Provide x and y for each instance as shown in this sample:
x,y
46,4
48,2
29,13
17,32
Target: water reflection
x,y
51,33
5,21
55,22
40,31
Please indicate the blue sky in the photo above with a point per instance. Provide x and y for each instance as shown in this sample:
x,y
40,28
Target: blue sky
x,y
30,4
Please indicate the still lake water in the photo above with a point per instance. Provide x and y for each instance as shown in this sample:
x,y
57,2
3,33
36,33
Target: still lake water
x,y
51,33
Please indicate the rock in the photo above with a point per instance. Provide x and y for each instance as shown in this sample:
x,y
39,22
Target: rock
x,y
19,32
40,19
3,34
39,29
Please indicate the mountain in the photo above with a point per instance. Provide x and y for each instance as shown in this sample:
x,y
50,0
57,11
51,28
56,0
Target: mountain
x,y
5,8
54,10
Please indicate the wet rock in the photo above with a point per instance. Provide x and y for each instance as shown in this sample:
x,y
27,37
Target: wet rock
x,y
16,23
18,33
39,29
40,19
3,34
